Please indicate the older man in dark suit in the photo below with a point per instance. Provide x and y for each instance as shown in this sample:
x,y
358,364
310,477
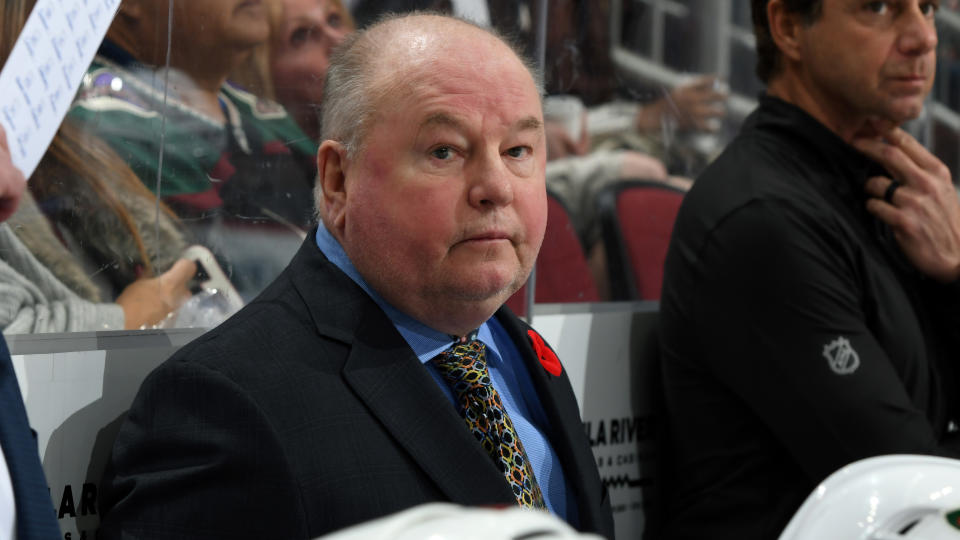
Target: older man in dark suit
x,y
380,370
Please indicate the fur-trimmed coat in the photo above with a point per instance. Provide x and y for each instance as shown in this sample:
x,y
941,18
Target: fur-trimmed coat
x,y
33,300
101,257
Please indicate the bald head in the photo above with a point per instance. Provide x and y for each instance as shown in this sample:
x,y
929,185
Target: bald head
x,y
381,60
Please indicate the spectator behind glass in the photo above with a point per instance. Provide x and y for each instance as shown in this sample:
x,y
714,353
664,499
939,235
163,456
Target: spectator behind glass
x,y
578,62
300,46
100,203
235,167
292,67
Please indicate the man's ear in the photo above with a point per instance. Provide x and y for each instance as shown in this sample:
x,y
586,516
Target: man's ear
x,y
332,185
786,29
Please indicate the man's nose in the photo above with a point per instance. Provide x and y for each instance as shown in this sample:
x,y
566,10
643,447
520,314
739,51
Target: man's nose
x,y
491,182
918,32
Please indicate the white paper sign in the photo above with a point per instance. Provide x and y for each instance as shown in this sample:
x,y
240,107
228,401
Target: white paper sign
x,y
45,69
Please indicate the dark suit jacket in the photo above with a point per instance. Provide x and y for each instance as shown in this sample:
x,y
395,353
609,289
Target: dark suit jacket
x,y
307,412
36,517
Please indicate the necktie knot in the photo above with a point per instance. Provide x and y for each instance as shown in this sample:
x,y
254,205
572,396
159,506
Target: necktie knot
x,y
464,367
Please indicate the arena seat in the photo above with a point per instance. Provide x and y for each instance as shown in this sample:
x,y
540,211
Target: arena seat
x,y
636,220
562,274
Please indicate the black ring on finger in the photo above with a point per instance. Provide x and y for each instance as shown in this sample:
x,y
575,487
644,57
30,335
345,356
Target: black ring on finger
x,y
888,194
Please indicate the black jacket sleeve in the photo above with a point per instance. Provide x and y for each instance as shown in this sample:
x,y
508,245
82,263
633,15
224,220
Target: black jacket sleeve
x,y
196,459
785,310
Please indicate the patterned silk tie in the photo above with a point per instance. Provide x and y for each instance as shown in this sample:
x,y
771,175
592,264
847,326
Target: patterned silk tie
x,y
464,367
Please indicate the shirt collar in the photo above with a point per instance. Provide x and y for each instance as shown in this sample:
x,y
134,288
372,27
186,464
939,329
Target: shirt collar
x,y
425,341
792,121
826,149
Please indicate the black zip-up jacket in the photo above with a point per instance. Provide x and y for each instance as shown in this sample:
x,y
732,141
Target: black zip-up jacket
x,y
796,338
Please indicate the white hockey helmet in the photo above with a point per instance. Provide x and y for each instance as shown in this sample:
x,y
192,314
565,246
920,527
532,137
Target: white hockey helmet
x,y
899,497
444,521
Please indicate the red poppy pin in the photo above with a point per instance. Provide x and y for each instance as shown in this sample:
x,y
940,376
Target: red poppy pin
x,y
548,359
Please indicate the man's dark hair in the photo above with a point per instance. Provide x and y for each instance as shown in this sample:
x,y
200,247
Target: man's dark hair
x,y
768,55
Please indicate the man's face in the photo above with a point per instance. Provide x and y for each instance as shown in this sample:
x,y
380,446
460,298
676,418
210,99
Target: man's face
x,y
446,204
864,59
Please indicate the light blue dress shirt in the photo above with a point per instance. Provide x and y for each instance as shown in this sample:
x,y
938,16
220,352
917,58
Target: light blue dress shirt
x,y
507,371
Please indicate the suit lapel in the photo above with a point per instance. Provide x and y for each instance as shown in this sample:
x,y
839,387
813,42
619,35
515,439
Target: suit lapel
x,y
567,434
406,399
398,390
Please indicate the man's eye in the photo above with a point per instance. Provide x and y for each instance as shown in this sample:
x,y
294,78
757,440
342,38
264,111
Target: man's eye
x,y
518,151
442,152
929,8
334,20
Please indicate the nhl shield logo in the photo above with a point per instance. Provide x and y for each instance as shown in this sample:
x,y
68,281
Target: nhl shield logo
x,y
841,357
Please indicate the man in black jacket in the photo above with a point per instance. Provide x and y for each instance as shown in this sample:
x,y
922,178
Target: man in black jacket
x,y
811,298
328,401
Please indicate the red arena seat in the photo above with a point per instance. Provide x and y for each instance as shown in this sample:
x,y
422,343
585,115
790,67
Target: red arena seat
x,y
636,220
